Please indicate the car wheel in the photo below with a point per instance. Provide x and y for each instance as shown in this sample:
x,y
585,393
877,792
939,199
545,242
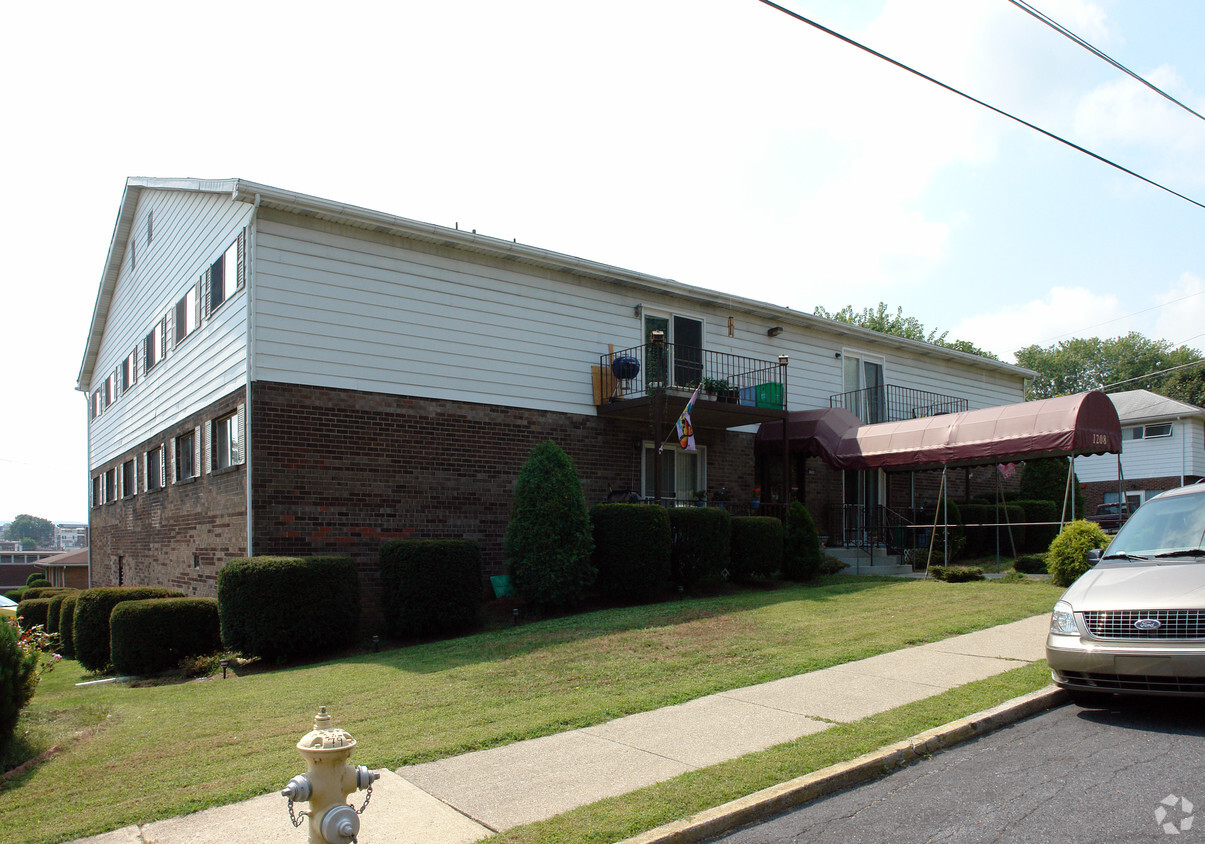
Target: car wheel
x,y
1090,700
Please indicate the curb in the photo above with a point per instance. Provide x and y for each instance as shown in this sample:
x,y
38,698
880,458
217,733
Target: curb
x,y
775,800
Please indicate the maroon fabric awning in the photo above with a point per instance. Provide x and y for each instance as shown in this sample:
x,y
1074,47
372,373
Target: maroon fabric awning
x,y
815,433
1085,423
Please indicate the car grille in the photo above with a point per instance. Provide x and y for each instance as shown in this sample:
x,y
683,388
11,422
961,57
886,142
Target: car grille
x,y
1134,683
1187,625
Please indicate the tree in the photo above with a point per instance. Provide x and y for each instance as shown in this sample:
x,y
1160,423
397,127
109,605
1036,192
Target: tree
x,y
1045,479
884,322
1187,385
1132,362
548,542
26,526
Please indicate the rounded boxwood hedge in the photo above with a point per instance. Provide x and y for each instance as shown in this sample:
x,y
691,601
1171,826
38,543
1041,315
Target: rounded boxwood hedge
x,y
801,555
32,611
631,550
147,637
67,625
700,538
755,547
282,607
91,624
54,611
431,586
1068,556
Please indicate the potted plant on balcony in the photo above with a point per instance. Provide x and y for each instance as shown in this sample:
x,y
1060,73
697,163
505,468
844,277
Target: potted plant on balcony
x,y
716,388
700,498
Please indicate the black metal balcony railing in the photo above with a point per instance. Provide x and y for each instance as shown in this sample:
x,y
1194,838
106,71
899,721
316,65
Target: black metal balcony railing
x,y
673,367
890,403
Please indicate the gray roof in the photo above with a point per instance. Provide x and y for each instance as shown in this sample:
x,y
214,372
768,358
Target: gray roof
x,y
1141,405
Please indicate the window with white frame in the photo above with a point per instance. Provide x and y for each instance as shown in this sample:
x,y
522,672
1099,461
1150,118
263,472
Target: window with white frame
x,y
110,390
1156,431
111,485
129,484
226,441
94,404
154,469
683,473
222,278
186,313
98,490
187,456
153,346
129,371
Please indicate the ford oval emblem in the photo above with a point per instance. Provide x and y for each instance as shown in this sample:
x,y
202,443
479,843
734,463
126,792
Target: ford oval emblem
x,y
1148,624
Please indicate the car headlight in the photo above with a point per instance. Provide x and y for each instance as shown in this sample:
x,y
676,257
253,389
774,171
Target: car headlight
x,y
1062,620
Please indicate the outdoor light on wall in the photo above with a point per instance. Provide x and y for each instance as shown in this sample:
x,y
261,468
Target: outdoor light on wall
x,y
775,331
836,354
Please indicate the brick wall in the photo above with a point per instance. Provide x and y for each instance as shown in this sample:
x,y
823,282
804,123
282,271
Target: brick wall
x,y
340,471
1094,493
177,536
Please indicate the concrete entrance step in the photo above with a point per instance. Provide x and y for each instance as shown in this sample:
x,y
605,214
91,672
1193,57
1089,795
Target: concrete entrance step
x,y
861,561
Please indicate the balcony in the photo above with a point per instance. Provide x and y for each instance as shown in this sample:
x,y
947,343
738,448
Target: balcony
x,y
735,390
890,403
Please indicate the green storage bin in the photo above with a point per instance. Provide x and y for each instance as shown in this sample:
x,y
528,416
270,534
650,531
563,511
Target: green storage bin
x,y
769,395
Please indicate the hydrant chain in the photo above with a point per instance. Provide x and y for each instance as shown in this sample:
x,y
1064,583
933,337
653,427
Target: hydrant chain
x,y
300,819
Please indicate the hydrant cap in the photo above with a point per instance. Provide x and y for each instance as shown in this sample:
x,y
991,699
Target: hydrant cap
x,y
325,737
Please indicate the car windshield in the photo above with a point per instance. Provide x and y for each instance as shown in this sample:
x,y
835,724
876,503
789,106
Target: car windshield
x,y
1169,526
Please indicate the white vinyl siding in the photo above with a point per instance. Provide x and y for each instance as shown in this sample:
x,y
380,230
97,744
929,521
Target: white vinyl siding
x,y
191,230
1169,455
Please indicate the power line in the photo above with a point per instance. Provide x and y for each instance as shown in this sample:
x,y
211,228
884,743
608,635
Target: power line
x,y
988,106
1125,316
1154,374
1062,30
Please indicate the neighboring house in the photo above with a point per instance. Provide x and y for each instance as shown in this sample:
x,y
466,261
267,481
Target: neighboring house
x,y
273,373
67,569
1163,447
70,535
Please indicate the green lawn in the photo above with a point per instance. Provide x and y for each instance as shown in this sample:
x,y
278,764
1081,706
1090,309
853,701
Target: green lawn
x,y
194,745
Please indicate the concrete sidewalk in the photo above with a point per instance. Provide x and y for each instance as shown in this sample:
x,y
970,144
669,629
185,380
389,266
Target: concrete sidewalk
x,y
469,797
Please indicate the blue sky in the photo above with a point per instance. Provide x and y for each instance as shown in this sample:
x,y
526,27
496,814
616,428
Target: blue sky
x,y
717,142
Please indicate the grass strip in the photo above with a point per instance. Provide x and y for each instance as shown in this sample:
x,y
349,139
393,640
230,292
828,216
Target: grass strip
x,y
617,818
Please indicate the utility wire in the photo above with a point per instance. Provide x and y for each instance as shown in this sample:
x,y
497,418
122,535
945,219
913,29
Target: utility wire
x,y
1062,30
1154,374
988,106
1080,331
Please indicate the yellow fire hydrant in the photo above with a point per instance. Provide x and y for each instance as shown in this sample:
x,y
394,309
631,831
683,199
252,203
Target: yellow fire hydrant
x,y
326,783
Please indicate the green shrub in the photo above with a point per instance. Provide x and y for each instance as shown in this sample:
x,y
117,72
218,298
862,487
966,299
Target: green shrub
x,y
150,636
32,611
548,541
699,540
1014,577
52,613
1068,556
67,625
91,622
1046,480
801,556
18,679
981,541
832,565
15,594
755,547
631,550
956,574
282,607
431,586
34,577
46,591
1031,564
1038,537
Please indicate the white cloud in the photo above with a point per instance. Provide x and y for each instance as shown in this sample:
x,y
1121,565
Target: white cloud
x,y
1181,319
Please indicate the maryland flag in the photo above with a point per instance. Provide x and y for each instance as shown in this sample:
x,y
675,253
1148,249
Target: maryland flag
x,y
686,434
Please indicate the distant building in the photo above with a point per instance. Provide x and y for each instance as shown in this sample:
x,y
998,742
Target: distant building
x,y
70,535
1163,447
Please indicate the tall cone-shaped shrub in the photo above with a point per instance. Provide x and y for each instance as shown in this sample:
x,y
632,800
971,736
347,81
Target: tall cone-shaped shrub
x,y
548,539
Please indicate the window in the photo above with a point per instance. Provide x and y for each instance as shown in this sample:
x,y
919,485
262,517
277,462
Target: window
x,y
154,468
98,490
685,335
111,485
129,371
94,404
186,456
865,388
121,571
222,278
1133,433
152,346
225,440
129,487
186,314
682,472
1154,431
110,390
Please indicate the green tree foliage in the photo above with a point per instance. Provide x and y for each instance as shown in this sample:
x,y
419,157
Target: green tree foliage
x,y
1081,364
1046,480
26,526
18,679
883,321
1186,385
548,540
1068,557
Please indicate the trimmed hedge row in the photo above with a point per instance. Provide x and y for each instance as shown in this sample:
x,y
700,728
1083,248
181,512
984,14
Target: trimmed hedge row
x,y
700,538
801,555
632,550
67,625
91,619
1039,537
150,636
755,547
981,541
55,611
281,607
32,611
431,586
